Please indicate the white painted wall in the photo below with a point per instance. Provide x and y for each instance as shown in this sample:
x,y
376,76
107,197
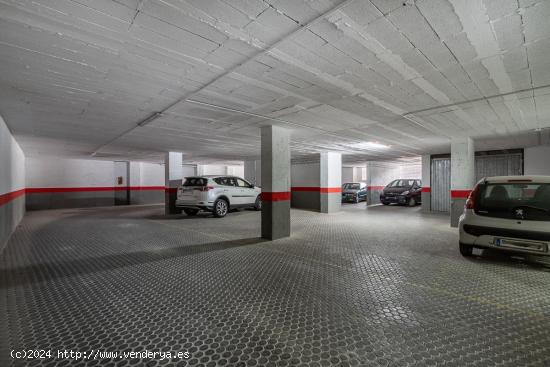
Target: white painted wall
x,y
537,160
12,162
382,173
347,174
235,171
331,170
60,172
12,178
151,174
305,175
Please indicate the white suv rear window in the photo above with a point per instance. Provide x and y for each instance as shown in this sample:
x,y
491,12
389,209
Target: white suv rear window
x,y
531,201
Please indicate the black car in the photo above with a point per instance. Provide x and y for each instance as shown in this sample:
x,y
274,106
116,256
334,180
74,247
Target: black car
x,y
402,191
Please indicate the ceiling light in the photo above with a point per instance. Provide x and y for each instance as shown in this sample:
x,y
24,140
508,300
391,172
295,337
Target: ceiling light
x,y
370,145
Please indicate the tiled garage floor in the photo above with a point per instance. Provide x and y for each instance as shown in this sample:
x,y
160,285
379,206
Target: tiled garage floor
x,y
378,287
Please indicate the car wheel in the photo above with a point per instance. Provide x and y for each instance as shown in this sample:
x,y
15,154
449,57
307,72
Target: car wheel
x,y
190,212
412,202
258,203
357,199
221,207
466,250
385,203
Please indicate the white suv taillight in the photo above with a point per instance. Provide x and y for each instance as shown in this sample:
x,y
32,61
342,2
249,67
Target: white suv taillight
x,y
207,188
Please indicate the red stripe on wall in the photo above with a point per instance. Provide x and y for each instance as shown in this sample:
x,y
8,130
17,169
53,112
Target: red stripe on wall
x,y
7,197
50,190
378,188
324,190
426,189
276,196
460,194
147,188
170,189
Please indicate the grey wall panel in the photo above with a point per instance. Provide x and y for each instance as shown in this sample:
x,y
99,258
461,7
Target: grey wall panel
x,y
11,214
306,200
441,184
373,196
499,165
140,197
60,200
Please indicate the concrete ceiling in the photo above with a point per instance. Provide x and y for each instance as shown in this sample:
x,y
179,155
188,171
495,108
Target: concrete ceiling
x,y
80,77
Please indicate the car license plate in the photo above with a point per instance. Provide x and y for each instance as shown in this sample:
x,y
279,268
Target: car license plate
x,y
521,244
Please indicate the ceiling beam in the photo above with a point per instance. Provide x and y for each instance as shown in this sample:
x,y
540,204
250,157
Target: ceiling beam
x,y
262,52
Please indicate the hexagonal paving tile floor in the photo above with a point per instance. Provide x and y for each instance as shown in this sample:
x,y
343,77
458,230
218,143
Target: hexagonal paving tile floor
x,y
379,287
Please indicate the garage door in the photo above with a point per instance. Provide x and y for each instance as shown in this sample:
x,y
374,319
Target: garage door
x,y
499,165
441,184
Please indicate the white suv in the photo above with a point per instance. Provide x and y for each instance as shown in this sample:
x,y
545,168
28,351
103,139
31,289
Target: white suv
x,y
509,213
217,194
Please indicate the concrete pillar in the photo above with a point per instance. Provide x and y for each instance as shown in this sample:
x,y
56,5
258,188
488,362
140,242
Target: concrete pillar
x,y
275,168
173,176
252,172
462,175
426,183
331,182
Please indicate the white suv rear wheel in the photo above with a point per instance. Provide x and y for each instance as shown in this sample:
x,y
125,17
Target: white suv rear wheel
x,y
221,208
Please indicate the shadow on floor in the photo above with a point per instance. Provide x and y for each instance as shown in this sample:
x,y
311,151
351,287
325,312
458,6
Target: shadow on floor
x,y
10,277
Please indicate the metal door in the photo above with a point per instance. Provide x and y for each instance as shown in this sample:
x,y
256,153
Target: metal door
x,y
122,189
441,184
510,164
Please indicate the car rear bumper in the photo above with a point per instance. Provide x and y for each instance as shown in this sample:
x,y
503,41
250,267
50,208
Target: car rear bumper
x,y
394,199
194,205
482,235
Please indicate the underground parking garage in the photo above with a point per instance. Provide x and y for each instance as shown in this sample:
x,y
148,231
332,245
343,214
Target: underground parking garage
x,y
275,183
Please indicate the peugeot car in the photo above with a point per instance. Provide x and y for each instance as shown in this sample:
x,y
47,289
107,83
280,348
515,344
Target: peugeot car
x,y
509,213
354,192
217,194
402,191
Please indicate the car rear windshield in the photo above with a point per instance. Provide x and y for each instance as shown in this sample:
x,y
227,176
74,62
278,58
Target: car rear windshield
x,y
351,186
195,181
401,183
523,201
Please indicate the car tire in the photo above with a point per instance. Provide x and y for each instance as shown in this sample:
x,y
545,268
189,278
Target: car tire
x,y
258,203
412,202
466,250
357,200
385,203
190,212
221,207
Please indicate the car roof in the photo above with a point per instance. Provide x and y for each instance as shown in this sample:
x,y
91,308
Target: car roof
x,y
212,176
507,179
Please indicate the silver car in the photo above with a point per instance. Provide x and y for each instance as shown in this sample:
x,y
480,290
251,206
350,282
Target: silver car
x,y
217,194
509,213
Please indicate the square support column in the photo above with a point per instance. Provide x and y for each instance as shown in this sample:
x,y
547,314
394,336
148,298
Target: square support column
x,y
462,175
275,167
331,182
173,176
426,183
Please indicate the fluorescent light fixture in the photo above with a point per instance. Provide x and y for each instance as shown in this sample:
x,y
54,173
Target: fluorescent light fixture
x,y
372,145
149,119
